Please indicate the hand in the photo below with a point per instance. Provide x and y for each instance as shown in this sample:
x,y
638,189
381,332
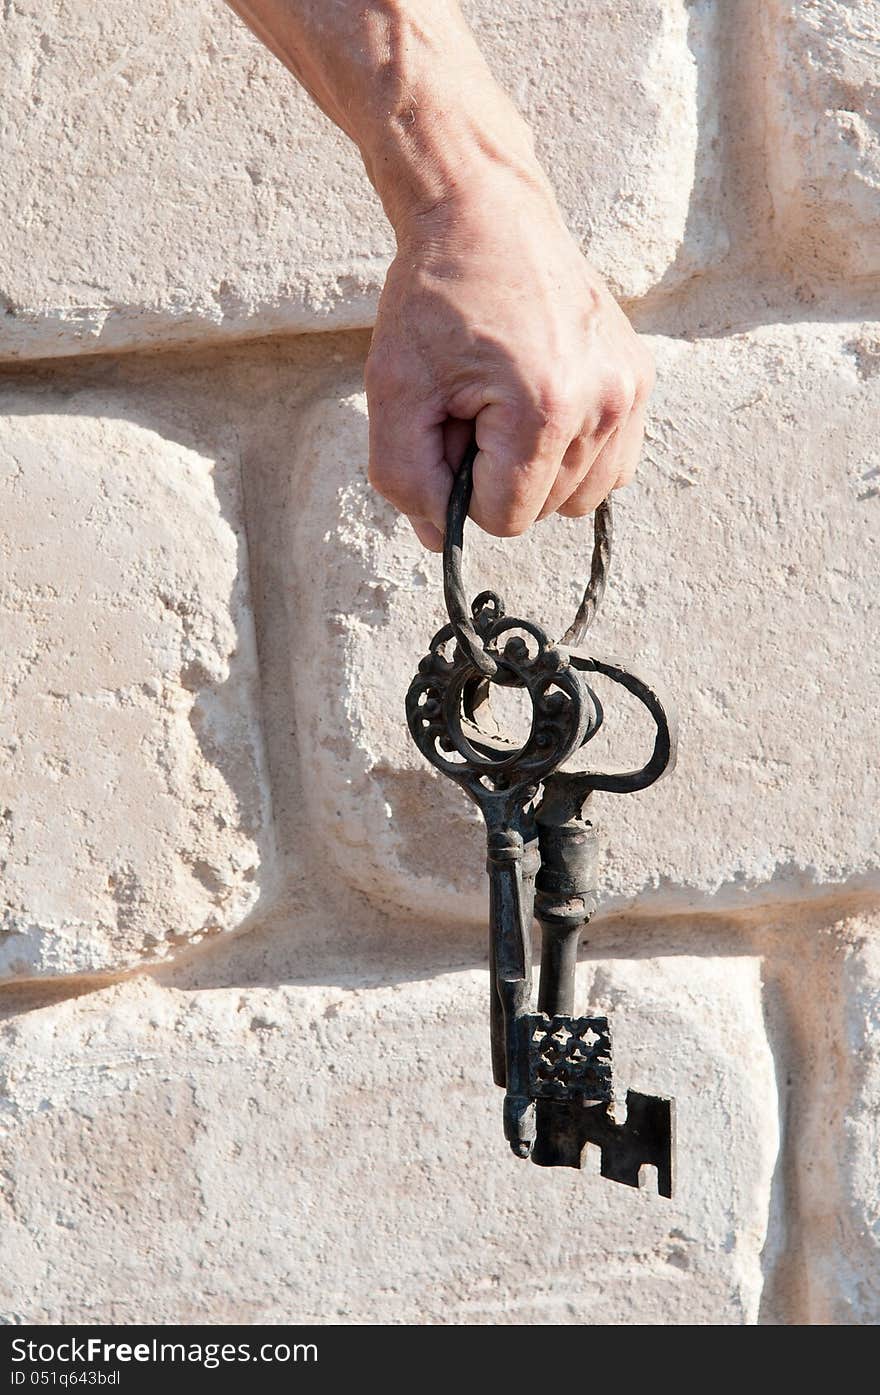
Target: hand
x,y
491,319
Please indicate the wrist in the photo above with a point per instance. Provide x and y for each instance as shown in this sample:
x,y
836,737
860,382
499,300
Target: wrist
x,y
438,128
443,175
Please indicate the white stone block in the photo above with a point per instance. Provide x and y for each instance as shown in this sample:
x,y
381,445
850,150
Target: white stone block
x,y
296,1154
834,997
165,178
133,802
745,578
822,137
623,100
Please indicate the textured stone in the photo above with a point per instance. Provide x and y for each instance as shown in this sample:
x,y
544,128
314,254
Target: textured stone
x,y
623,100
164,178
836,1126
745,578
134,807
285,1153
822,137
298,1123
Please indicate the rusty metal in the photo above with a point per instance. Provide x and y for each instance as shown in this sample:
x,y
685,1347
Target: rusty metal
x,y
542,854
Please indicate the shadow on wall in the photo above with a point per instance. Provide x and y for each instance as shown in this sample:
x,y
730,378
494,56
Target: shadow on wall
x,y
719,200
128,485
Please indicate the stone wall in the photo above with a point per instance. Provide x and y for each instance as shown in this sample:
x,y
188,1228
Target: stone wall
x,y
244,1050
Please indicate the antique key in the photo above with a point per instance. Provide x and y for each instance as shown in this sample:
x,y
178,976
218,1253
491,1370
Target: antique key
x,y
542,855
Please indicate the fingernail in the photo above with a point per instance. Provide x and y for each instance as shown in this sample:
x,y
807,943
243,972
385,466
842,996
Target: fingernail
x,y
429,536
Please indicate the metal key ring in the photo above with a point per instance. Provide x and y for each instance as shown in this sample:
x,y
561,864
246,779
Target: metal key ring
x,y
457,608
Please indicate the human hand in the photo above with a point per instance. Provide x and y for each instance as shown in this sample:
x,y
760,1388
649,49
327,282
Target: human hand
x,y
491,320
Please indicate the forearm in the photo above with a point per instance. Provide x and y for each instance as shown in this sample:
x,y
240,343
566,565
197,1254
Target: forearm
x,y
490,321
407,82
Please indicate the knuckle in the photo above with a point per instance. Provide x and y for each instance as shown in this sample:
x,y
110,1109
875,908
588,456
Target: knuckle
x,y
618,398
553,408
385,374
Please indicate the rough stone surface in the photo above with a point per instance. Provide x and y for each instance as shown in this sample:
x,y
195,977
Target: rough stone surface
x,y
297,1123
822,137
244,1158
640,187
221,202
745,578
134,809
838,1123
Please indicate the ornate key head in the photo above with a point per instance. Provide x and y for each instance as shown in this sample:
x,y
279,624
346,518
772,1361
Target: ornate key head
x,y
445,698
482,646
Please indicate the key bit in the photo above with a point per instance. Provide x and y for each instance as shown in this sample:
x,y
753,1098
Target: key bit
x,y
542,855
644,1138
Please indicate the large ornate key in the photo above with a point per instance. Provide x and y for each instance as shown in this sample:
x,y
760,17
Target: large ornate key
x,y
555,1068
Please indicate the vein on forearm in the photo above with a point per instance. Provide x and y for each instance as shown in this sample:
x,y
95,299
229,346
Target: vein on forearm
x,y
405,80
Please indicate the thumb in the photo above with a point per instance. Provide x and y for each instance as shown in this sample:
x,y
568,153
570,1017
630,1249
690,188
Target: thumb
x,y
408,464
520,453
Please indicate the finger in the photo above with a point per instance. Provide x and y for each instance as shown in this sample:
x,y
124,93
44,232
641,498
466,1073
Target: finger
x,y
631,447
580,457
597,483
576,464
613,467
457,436
429,536
520,452
407,459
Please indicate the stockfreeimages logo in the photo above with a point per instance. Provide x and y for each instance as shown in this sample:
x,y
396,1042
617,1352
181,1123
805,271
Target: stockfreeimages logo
x,y
94,1351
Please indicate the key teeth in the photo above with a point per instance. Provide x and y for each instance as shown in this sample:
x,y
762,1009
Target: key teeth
x,y
647,1137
